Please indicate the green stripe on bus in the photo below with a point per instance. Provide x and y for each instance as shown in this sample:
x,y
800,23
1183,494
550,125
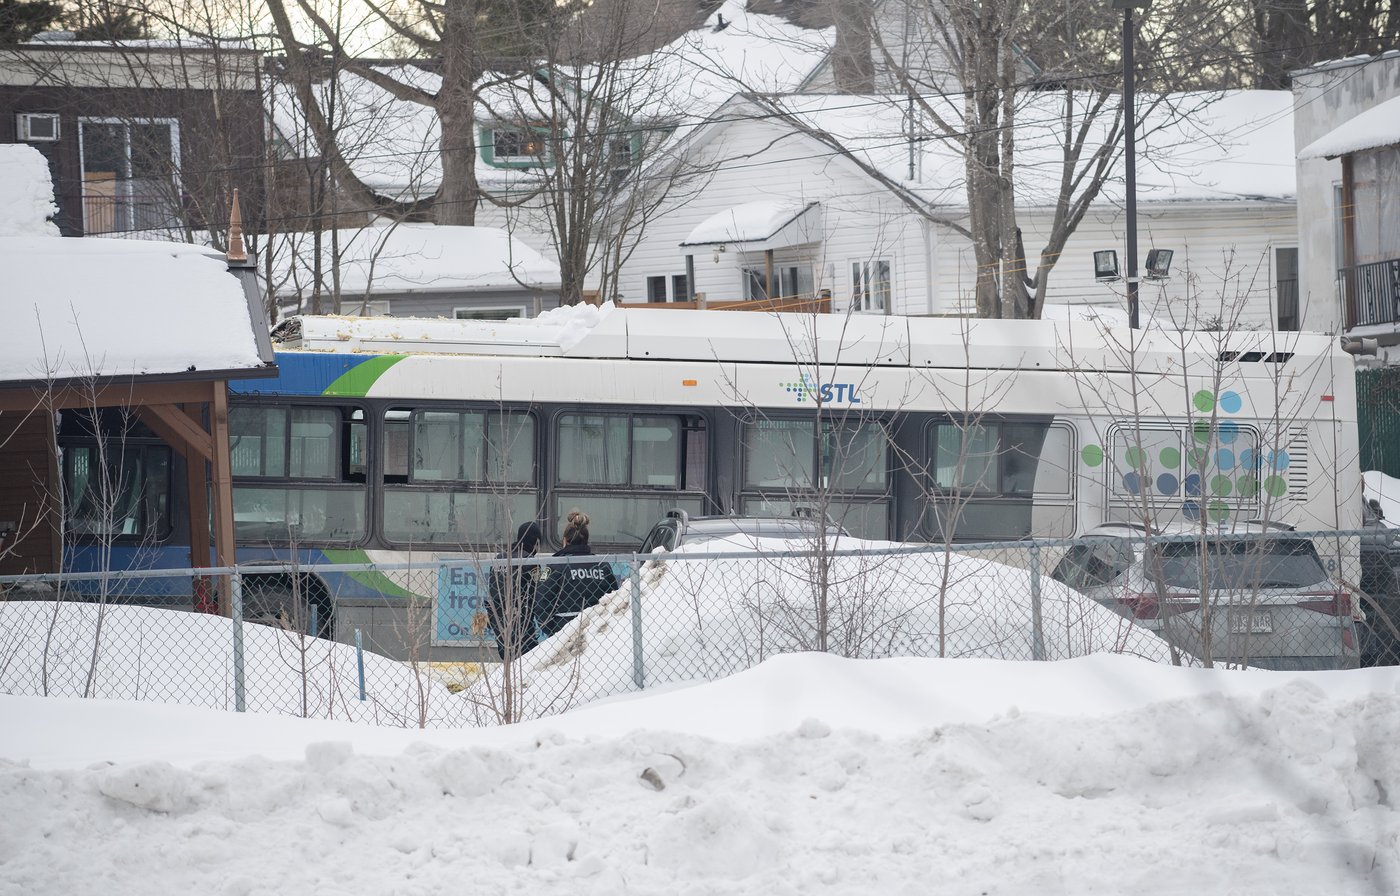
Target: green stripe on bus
x,y
370,579
356,382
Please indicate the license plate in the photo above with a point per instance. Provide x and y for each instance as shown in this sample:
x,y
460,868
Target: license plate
x,y
1256,622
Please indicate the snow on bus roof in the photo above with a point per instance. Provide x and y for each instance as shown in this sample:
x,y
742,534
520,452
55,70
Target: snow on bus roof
x,y
606,332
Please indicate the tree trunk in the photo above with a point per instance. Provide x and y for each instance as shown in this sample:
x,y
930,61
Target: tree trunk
x,y
458,195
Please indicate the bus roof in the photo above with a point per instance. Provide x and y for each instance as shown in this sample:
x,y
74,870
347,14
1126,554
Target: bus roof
x,y
827,339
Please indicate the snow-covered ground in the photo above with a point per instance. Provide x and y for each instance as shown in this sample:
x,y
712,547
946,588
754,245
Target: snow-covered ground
x,y
808,773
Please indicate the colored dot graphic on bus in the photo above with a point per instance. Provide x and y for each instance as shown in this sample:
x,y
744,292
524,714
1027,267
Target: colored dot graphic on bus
x,y
1231,402
1136,457
1200,430
1275,486
1219,511
1277,461
1204,401
1228,432
801,389
1247,486
1170,458
1225,459
1191,510
1167,484
1092,455
1221,485
1196,457
1192,484
1132,482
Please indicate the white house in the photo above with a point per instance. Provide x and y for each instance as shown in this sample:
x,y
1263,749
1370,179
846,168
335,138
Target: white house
x,y
871,214
1347,122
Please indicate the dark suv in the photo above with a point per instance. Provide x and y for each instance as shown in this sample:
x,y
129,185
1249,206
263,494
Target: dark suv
x,y
678,527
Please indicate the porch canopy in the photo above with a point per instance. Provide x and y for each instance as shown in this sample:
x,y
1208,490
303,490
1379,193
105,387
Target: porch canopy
x,y
762,226
155,327
1376,128
758,226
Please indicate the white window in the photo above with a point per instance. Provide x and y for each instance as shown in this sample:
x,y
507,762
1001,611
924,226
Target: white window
x,y
130,170
871,284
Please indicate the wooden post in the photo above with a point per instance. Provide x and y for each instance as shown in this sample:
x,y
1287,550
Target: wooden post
x,y
221,477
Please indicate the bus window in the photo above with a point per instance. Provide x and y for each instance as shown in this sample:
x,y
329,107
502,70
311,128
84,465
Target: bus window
x,y
116,476
998,479
458,477
626,470
299,473
115,491
788,468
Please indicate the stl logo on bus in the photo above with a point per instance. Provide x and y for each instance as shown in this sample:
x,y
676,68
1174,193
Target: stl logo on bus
x,y
826,393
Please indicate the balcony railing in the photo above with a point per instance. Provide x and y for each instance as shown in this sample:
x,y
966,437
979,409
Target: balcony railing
x,y
1371,292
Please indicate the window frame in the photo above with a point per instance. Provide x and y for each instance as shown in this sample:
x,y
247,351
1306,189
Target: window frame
x,y
489,136
864,296
123,197
930,447
344,480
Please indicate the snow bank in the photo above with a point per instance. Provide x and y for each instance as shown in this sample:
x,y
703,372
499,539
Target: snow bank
x,y
26,193
169,656
707,619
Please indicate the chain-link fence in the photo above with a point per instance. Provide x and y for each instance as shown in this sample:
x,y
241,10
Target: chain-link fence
x,y
437,644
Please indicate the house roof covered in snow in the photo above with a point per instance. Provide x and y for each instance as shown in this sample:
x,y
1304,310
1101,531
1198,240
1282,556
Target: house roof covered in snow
x,y
1234,145
96,309
392,143
384,259
1375,128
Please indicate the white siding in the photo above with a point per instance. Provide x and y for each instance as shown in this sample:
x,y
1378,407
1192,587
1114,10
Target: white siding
x,y
860,220
1324,99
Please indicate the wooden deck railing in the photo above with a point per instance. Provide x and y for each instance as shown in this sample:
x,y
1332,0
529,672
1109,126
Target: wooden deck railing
x,y
818,304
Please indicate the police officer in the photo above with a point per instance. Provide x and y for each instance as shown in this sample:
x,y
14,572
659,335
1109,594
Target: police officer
x,y
512,608
568,589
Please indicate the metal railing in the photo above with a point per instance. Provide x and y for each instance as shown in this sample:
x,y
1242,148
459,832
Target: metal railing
x,y
672,618
1371,292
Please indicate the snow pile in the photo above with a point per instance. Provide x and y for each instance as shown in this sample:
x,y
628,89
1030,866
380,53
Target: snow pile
x,y
412,258
807,775
706,619
90,308
1377,486
143,653
561,327
26,193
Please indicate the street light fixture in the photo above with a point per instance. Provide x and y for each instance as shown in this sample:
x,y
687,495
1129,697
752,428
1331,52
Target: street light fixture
x,y
1106,266
1130,150
1159,263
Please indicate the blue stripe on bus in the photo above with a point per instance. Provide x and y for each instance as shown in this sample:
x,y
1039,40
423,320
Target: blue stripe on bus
x,y
301,374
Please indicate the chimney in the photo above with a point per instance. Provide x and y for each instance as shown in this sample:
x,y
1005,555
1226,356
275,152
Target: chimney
x,y
237,254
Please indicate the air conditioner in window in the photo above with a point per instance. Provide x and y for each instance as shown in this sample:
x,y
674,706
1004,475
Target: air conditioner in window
x,y
36,127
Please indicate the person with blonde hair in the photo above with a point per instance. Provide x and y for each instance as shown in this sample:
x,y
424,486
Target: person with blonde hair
x,y
569,589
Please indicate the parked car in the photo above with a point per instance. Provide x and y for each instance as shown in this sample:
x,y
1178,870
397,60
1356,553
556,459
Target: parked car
x,y
678,527
1270,600
1380,579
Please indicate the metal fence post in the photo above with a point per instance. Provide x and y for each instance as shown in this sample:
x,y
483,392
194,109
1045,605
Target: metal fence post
x,y
638,665
1037,626
360,662
240,697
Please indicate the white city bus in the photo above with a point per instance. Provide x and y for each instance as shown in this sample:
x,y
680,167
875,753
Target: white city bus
x,y
388,439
